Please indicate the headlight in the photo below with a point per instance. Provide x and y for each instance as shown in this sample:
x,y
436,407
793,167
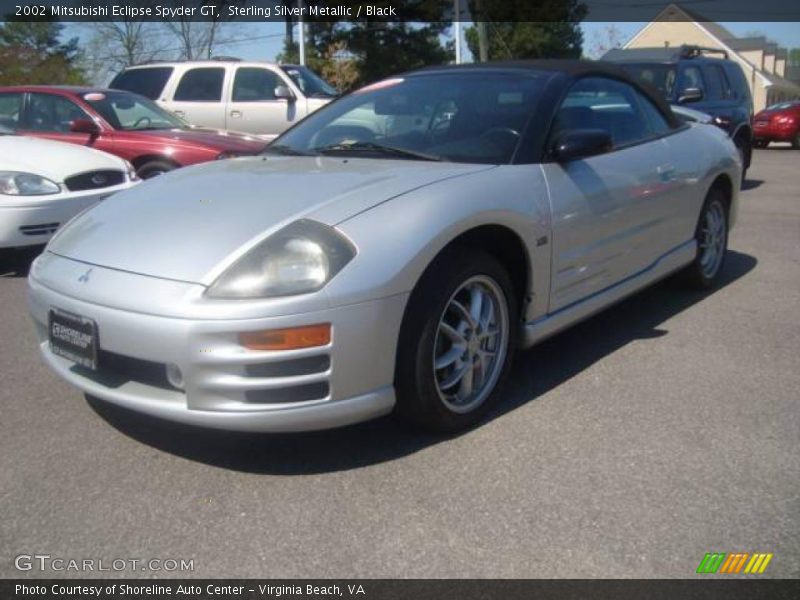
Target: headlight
x,y
298,259
15,183
132,175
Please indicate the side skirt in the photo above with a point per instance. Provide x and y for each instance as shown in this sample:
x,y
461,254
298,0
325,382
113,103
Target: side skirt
x,y
542,328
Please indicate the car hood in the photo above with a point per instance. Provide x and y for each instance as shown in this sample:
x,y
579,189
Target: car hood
x,y
213,138
190,224
20,153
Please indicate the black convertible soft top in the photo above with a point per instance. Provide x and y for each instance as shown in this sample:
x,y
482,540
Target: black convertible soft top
x,y
572,68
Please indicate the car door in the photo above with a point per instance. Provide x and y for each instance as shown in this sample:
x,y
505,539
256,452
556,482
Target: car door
x,y
51,116
253,107
198,97
610,211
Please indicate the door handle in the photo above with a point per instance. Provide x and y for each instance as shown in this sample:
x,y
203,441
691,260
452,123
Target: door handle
x,y
236,114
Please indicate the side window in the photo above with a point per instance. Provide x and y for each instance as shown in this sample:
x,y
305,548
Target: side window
x,y
253,84
203,84
148,82
48,112
692,78
718,86
10,110
607,104
658,124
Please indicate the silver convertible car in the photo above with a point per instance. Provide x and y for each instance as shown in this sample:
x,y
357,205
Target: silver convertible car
x,y
388,253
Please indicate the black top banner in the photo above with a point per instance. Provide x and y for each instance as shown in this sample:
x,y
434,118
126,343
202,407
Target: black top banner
x,y
400,10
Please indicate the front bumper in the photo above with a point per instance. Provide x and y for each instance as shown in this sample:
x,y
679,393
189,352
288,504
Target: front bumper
x,y
227,386
773,132
32,220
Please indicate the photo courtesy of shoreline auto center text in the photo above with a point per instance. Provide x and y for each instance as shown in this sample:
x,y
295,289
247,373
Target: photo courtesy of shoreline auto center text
x,y
389,299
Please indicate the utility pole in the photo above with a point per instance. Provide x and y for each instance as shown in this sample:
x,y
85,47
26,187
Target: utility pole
x,y
457,27
483,38
302,32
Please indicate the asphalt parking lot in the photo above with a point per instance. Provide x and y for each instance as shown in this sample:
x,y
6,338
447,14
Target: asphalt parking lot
x,y
662,429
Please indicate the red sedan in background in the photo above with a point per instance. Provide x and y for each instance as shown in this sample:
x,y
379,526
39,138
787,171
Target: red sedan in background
x,y
118,122
778,123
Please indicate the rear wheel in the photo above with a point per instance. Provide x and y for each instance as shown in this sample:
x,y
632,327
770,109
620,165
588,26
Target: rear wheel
x,y
796,141
712,242
154,168
761,143
457,341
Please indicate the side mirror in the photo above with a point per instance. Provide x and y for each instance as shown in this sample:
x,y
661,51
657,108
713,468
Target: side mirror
x,y
580,143
84,126
690,95
282,92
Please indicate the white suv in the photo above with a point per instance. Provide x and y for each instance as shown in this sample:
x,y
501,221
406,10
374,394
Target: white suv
x,y
252,97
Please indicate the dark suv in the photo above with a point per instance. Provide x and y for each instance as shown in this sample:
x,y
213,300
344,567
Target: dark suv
x,y
689,76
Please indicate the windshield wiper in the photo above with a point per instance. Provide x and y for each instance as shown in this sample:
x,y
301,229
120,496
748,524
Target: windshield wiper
x,y
378,149
284,150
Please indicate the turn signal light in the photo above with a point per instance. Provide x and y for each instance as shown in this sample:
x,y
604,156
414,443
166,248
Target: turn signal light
x,y
292,338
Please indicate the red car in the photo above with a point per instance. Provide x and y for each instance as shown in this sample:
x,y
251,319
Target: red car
x,y
778,123
122,123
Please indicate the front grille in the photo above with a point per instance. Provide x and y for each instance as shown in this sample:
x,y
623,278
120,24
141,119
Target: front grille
x,y
94,180
41,229
115,370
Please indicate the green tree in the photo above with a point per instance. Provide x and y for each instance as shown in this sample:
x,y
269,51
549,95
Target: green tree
x,y
383,49
794,57
543,29
31,52
367,50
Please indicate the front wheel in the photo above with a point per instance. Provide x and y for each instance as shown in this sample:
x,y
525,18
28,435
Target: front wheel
x,y
711,236
796,141
154,168
457,341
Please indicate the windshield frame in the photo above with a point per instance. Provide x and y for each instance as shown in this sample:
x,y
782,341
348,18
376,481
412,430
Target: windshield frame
x,y
306,73
523,151
175,121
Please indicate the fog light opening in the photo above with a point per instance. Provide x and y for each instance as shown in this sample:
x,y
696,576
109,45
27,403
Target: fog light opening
x,y
174,376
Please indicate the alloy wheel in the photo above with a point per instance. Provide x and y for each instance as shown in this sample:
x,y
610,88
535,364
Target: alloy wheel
x,y
471,344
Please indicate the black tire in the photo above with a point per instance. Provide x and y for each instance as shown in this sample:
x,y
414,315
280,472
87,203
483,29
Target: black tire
x,y
699,274
745,153
761,143
418,394
796,141
154,168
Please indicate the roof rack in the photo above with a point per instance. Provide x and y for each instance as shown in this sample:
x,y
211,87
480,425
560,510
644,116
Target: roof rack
x,y
689,51
157,61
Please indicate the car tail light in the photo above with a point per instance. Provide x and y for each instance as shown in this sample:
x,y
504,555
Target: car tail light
x,y
785,120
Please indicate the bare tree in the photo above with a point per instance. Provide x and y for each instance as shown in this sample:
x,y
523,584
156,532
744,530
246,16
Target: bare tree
x,y
114,45
608,38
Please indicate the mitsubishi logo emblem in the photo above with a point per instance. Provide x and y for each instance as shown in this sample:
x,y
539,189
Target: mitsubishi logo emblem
x,y
85,277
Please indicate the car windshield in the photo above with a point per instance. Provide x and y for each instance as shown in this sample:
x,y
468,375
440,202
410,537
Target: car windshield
x,y
783,105
473,117
661,76
130,112
309,82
